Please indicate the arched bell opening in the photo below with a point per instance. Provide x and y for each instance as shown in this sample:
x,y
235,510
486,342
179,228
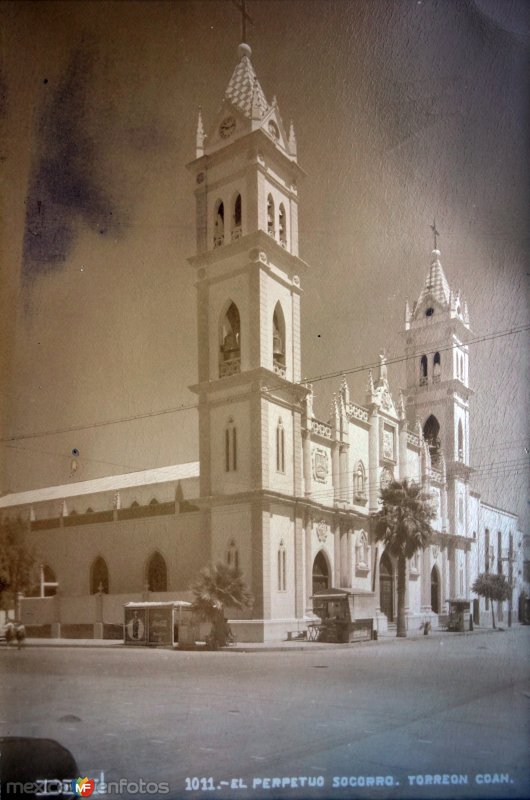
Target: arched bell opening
x,y
237,229
271,222
282,225
436,368
278,340
219,224
431,434
230,347
424,371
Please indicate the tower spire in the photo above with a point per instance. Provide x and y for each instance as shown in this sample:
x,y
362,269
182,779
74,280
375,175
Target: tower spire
x,y
200,136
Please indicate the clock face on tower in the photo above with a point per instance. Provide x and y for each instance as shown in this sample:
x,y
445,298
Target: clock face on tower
x,y
227,127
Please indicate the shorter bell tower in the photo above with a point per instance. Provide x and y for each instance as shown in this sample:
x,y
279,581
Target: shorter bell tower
x,y
437,333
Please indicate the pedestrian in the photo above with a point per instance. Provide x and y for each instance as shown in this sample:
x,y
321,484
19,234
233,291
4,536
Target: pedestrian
x,y
10,633
20,633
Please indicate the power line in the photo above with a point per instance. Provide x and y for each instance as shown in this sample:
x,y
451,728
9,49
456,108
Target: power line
x,y
312,380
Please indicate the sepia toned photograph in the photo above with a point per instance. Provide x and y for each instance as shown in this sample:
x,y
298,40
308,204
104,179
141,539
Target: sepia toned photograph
x,y
264,446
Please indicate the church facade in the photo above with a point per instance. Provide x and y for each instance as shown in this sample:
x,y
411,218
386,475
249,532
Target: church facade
x,y
286,496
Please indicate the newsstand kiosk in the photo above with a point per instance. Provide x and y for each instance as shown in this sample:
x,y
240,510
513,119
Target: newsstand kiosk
x,y
459,616
335,607
159,624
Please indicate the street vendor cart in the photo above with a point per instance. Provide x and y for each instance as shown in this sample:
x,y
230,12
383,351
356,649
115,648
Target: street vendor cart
x,y
336,610
459,616
159,624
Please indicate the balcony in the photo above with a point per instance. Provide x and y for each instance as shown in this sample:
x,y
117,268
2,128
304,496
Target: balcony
x,y
237,233
424,380
218,240
229,367
279,368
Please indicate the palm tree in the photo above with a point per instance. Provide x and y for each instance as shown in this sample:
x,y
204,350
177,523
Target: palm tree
x,y
218,588
404,526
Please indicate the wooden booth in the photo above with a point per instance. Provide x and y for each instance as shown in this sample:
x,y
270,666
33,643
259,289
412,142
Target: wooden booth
x,y
159,624
336,609
459,616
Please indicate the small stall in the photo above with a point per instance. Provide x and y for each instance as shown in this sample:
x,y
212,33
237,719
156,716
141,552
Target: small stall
x,y
159,624
459,616
336,609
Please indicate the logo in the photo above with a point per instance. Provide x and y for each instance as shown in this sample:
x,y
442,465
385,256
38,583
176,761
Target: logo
x,y
83,787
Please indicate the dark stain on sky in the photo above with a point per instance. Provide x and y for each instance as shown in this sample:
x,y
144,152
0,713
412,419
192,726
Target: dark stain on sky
x,y
64,190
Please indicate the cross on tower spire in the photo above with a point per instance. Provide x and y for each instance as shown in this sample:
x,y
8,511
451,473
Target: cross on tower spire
x,y
241,7
435,233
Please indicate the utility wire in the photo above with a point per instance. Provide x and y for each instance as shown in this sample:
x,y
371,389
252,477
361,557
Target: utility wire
x,y
315,379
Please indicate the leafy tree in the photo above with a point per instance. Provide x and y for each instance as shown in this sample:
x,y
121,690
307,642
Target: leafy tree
x,y
216,589
17,561
404,526
493,587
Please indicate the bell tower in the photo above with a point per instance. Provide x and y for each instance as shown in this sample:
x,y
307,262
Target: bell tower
x,y
248,293
437,334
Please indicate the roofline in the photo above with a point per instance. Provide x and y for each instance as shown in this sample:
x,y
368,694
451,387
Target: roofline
x,y
109,483
502,510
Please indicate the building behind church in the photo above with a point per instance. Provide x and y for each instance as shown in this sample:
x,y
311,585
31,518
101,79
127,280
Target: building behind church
x,y
287,497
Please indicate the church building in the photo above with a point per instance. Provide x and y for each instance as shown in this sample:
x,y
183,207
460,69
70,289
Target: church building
x,y
287,497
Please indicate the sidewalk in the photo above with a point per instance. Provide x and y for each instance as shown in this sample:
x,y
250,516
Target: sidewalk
x,y
271,647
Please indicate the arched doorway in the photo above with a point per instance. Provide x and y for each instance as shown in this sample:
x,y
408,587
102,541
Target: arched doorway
x,y
386,587
320,573
99,576
435,590
157,573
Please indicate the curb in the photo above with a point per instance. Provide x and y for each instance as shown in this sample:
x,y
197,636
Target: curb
x,y
279,647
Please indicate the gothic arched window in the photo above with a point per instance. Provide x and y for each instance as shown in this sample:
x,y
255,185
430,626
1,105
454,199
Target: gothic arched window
x,y
271,224
282,225
157,573
236,219
436,367
219,224
282,568
232,555
230,446
278,340
230,334
431,434
280,447
99,576
424,367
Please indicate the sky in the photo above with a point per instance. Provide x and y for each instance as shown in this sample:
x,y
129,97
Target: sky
x,y
403,111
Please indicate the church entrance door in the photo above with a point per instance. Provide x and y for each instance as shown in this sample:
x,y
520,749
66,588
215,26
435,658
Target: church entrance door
x,y
320,573
435,590
386,587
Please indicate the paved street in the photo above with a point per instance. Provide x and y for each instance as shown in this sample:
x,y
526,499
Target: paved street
x,y
440,716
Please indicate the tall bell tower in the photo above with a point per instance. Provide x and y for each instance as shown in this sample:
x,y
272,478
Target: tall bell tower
x,y
248,292
437,334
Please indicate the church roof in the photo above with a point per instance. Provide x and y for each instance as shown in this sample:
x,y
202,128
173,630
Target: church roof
x,y
244,89
112,483
436,284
